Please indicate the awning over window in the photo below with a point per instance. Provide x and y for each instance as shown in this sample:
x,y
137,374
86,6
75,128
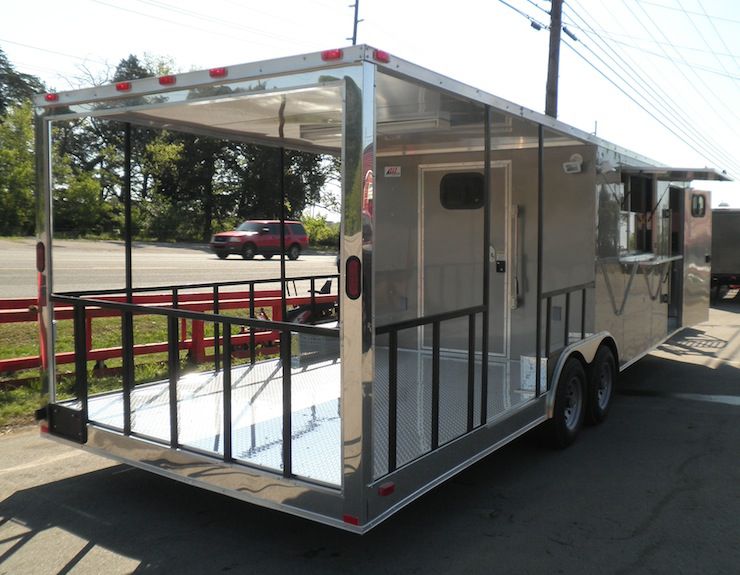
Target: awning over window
x,y
669,174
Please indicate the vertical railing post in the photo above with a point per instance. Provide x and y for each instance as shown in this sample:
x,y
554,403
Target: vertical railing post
x,y
566,327
285,358
486,319
127,363
173,349
80,339
392,399
226,379
313,297
435,384
216,333
548,319
471,370
252,353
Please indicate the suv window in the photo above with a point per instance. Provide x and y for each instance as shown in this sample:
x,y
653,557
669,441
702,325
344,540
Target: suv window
x,y
297,229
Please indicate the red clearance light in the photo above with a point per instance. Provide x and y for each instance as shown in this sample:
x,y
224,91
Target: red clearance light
x,y
123,86
40,257
218,72
51,97
354,277
351,519
386,489
381,56
329,55
167,80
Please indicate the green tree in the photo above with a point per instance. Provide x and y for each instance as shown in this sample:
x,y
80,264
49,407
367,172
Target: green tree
x,y
15,88
17,171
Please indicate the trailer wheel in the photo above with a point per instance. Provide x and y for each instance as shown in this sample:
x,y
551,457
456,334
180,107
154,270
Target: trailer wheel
x,y
222,255
570,397
602,377
249,251
267,256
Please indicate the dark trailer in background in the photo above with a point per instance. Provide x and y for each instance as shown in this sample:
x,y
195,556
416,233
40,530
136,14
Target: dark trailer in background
x,y
725,248
497,269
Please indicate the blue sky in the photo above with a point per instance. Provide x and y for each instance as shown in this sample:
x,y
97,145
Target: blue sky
x,y
675,63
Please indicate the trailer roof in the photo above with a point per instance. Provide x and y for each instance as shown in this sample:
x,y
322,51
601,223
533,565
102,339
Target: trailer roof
x,y
111,99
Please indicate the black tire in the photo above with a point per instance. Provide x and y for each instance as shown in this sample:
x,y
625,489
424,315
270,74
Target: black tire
x,y
293,252
602,378
267,256
249,251
570,405
222,255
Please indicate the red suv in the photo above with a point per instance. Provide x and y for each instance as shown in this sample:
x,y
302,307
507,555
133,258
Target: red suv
x,y
260,237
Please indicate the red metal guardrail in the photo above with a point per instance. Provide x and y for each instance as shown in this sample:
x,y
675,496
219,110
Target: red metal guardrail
x,y
20,310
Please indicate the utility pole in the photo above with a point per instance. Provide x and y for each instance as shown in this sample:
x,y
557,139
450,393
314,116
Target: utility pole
x,y
551,91
354,29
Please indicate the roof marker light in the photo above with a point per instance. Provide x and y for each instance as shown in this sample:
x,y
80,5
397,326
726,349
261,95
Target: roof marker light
x,y
329,55
218,72
51,97
123,86
168,80
381,56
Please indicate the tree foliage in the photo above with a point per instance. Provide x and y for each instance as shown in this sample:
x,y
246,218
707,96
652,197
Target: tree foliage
x,y
17,171
183,186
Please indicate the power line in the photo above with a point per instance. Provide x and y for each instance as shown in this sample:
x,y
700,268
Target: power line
x,y
703,37
536,24
616,85
218,33
721,39
664,57
718,18
657,98
701,94
56,52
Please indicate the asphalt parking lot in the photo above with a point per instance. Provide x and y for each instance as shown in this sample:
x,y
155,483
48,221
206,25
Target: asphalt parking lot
x,y
655,489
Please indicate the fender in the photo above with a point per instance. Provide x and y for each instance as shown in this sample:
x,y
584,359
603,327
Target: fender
x,y
587,349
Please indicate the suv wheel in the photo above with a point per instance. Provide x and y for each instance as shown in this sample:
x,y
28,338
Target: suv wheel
x,y
294,251
249,251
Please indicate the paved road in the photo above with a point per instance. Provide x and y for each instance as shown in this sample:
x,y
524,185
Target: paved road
x,y
83,264
655,489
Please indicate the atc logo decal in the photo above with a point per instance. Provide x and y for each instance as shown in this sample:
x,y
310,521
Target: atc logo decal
x,y
392,171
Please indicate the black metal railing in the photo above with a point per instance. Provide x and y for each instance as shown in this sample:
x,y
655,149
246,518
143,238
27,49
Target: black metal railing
x,y
567,292
223,325
435,321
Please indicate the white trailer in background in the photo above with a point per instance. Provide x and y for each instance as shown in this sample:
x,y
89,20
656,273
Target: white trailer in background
x,y
498,268
725,248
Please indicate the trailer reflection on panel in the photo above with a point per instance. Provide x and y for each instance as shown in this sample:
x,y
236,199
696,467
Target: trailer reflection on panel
x,y
497,269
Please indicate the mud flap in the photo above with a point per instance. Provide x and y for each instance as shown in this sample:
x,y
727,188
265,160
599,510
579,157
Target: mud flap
x,y
67,423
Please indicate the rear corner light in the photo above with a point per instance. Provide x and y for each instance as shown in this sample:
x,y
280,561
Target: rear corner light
x,y
218,72
353,277
351,519
123,86
40,257
51,97
44,427
381,56
167,80
386,489
329,55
